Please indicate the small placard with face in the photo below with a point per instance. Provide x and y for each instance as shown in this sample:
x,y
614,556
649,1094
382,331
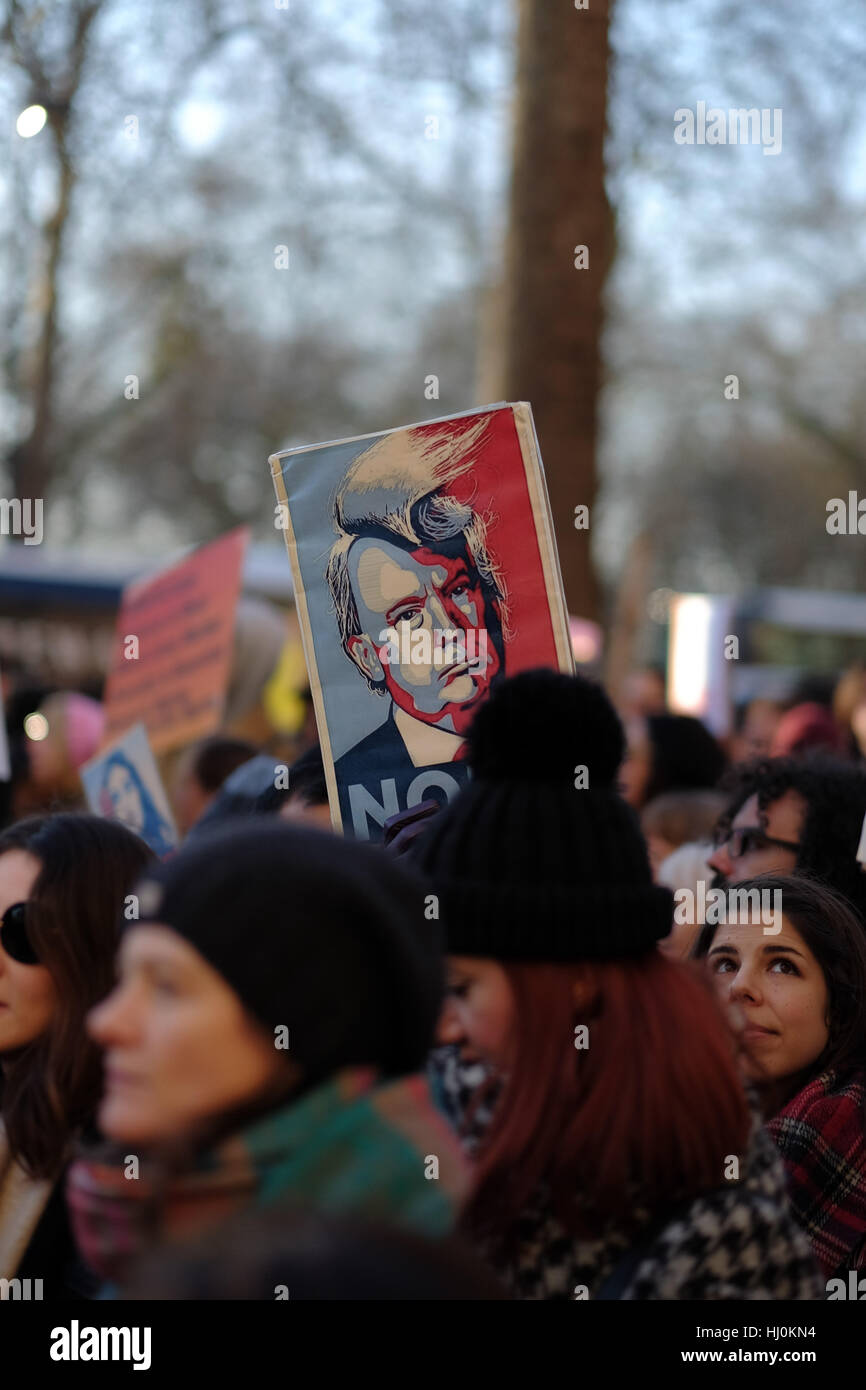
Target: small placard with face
x,y
425,571
124,784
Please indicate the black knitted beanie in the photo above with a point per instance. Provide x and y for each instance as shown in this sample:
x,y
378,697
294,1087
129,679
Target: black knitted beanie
x,y
325,936
539,858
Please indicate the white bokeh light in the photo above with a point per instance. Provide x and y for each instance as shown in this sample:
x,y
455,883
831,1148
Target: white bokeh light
x,y
36,727
200,123
31,121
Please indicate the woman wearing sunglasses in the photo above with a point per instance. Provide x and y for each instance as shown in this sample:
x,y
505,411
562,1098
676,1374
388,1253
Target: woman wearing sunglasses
x,y
63,884
797,996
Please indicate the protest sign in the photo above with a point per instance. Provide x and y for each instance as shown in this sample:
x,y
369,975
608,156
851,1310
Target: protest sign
x,y
173,646
123,784
425,571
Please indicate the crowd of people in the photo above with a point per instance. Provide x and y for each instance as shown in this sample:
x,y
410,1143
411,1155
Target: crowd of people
x,y
485,1060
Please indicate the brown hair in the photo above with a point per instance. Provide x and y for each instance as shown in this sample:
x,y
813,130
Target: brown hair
x,y
87,867
214,759
682,816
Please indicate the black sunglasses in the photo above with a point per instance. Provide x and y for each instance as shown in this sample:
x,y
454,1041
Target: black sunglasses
x,y
14,937
748,838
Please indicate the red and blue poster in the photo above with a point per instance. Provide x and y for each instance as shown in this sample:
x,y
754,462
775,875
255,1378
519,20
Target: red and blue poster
x,y
425,571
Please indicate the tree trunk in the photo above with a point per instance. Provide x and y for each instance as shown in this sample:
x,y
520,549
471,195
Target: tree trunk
x,y
551,312
31,463
31,460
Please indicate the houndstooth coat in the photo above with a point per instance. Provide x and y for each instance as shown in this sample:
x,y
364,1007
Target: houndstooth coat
x,y
738,1242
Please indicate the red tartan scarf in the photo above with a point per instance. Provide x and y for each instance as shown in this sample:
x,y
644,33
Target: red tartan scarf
x,y
821,1134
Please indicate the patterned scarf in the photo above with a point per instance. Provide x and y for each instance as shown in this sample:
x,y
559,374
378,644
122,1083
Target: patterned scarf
x,y
821,1134
740,1241
350,1146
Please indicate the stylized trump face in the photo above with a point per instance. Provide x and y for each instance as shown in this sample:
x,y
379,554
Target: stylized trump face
x,y
406,601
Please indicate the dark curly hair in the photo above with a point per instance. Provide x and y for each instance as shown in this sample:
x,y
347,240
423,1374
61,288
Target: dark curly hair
x,y
835,795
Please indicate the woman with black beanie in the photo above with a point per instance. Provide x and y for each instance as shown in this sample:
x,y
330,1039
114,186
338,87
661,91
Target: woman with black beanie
x,y
618,1157
276,998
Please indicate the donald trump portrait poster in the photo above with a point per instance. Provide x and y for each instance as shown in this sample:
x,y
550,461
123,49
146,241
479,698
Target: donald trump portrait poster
x,y
425,571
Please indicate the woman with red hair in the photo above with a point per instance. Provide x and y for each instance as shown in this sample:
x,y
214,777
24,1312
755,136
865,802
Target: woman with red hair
x,y
616,1153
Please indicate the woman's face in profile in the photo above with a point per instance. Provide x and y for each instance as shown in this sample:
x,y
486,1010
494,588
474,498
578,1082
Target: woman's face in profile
x,y
479,1012
125,796
179,1046
28,997
636,769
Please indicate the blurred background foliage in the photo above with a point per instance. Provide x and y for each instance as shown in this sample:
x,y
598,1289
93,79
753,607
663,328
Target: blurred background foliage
x,y
307,127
